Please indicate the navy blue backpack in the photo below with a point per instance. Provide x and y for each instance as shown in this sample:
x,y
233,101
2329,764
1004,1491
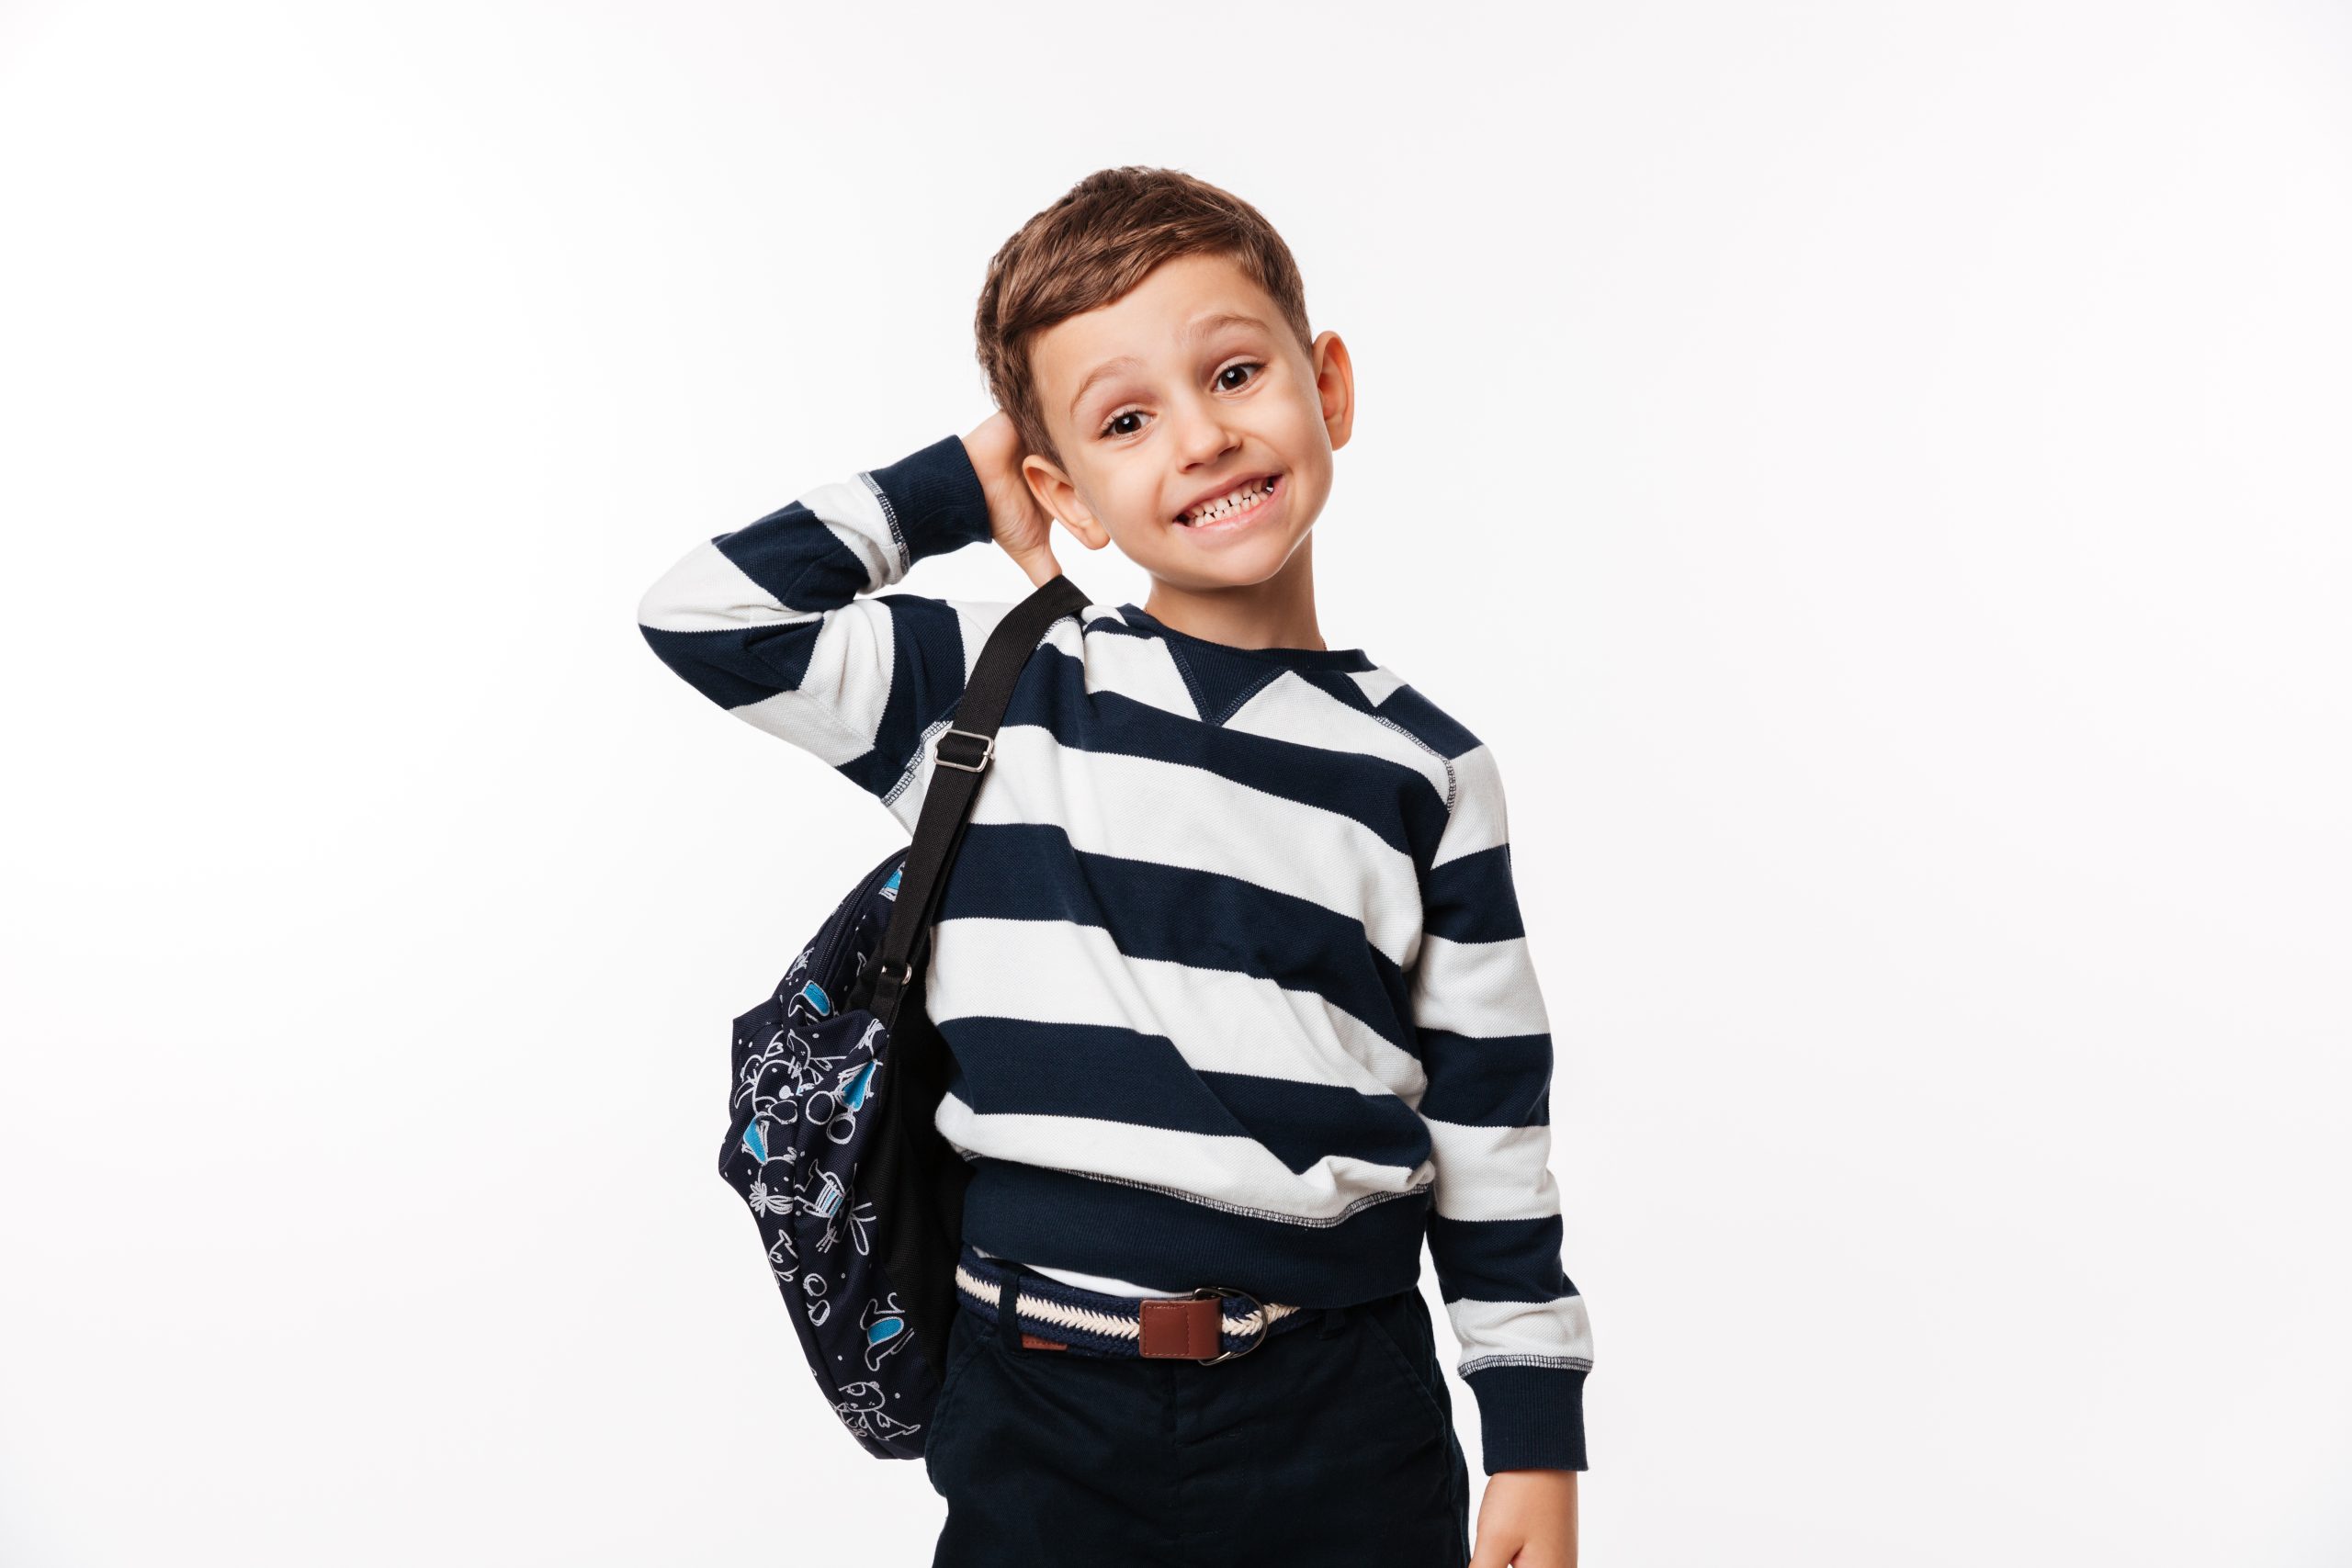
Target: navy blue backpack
x,y
836,1078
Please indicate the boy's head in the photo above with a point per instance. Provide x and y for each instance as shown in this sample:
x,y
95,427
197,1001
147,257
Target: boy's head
x,y
1147,335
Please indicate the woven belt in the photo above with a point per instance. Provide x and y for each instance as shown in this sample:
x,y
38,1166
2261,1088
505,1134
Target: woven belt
x,y
1215,1323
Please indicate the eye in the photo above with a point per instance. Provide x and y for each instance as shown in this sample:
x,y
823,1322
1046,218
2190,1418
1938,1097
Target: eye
x,y
1111,425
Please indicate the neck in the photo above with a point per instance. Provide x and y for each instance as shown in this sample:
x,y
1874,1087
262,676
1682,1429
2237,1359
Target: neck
x,y
1277,613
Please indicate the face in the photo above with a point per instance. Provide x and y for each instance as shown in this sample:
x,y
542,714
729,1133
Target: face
x,y
1174,396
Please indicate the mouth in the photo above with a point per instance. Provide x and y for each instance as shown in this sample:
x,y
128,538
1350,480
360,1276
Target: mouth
x,y
1232,508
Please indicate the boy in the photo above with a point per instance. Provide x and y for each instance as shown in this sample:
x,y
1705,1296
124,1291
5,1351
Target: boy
x,y
1230,961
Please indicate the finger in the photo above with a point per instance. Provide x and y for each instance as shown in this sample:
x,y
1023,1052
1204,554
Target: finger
x,y
1494,1550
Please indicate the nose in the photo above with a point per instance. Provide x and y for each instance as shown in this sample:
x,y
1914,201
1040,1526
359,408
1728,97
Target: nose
x,y
1202,433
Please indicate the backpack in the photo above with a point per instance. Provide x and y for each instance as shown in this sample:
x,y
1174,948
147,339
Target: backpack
x,y
835,1079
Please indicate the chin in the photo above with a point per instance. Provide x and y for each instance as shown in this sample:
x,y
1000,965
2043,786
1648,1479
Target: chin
x,y
1235,569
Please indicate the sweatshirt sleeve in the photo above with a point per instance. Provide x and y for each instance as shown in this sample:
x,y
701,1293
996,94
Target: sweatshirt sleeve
x,y
1494,1230
780,623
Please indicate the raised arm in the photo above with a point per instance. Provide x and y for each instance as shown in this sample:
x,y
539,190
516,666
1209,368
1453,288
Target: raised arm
x,y
768,621
1494,1230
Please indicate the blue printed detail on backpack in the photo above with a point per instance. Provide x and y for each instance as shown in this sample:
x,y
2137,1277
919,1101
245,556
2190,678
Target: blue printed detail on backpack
x,y
885,1330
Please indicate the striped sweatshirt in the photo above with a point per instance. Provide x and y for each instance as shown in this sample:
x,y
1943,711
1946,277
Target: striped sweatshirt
x,y
1230,962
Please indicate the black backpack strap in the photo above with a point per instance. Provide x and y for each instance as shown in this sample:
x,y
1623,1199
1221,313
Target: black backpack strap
x,y
908,1172
965,749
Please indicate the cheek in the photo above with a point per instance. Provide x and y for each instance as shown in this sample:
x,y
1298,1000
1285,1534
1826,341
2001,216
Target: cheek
x,y
1138,505
1303,434
1309,450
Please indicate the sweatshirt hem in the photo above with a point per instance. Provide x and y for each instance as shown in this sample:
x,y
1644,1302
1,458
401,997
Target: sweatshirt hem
x,y
1063,1219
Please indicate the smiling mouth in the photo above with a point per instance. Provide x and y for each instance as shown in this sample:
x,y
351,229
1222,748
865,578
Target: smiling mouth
x,y
1243,501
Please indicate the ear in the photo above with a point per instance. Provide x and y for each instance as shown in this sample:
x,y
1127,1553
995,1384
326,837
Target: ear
x,y
1335,386
1053,491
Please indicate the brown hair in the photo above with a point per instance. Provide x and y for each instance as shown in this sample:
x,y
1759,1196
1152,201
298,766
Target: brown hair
x,y
1092,246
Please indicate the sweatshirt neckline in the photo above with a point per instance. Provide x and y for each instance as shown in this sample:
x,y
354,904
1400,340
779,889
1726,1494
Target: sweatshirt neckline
x,y
1294,657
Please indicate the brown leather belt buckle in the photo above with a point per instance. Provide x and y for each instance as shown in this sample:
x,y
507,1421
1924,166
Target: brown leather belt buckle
x,y
1194,1326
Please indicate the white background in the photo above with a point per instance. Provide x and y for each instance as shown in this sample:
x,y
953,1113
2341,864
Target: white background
x,y
1877,475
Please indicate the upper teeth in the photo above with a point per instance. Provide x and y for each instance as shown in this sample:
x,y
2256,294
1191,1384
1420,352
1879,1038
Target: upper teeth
x,y
1210,511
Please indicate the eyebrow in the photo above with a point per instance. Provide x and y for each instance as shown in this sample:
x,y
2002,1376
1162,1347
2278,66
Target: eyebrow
x,y
1205,324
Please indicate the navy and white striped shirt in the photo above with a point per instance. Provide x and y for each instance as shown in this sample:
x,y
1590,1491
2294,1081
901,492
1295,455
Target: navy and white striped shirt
x,y
1230,961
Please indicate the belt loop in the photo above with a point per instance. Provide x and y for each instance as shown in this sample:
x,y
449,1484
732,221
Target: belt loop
x,y
1008,1306
1334,1319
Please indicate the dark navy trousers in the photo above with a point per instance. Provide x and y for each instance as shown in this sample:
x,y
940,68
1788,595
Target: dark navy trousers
x,y
1331,1443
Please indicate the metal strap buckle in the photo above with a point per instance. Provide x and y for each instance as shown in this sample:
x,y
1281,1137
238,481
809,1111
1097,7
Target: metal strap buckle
x,y
988,748
879,970
1264,1327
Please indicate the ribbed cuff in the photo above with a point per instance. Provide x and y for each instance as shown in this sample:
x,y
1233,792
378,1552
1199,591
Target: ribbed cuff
x,y
936,498
1530,1417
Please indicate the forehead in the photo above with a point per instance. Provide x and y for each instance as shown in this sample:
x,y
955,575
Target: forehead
x,y
1149,324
